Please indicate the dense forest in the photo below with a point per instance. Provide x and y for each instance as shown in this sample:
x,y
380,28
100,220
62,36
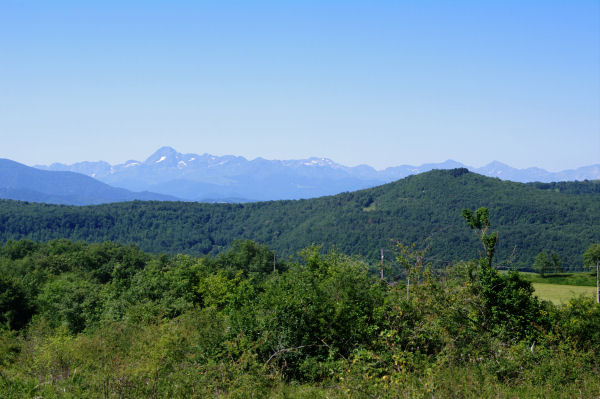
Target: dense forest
x,y
572,187
422,209
108,320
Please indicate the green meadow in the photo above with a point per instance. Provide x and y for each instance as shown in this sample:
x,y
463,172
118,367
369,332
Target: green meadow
x,y
559,288
561,293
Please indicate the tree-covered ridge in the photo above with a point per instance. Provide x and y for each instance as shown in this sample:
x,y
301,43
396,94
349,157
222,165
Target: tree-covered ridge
x,y
573,187
106,320
423,208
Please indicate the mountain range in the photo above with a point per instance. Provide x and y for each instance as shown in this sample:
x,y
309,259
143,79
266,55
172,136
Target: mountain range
x,y
21,182
210,178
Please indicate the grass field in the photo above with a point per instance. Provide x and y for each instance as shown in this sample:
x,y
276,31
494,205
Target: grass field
x,y
561,293
585,278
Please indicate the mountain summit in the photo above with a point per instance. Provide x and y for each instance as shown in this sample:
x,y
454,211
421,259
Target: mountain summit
x,y
165,156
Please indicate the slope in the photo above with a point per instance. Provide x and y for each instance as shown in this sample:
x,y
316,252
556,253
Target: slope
x,y
422,208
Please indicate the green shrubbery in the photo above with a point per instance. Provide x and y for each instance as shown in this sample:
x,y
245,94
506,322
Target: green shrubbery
x,y
108,321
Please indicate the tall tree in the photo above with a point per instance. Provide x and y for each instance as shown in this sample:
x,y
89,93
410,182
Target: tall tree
x,y
15,310
542,263
510,307
556,261
479,221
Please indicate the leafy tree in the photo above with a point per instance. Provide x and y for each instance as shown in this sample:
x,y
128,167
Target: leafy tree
x,y
319,309
545,263
542,263
15,309
510,309
556,262
252,259
579,322
70,301
591,257
479,221
18,249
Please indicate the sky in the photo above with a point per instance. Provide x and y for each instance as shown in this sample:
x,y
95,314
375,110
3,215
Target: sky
x,y
381,83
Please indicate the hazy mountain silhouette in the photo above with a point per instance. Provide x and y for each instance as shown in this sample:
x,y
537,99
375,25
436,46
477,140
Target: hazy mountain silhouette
x,y
201,177
24,183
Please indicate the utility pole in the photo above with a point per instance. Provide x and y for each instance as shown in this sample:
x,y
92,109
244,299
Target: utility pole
x,y
382,263
597,282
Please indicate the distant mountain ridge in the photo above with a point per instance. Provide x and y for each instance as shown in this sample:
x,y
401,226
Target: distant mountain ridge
x,y
24,183
232,178
506,172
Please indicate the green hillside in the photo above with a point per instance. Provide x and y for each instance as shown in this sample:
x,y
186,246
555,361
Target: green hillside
x,y
424,208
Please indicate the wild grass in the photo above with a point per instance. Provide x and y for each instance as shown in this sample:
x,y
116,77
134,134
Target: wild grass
x,y
561,293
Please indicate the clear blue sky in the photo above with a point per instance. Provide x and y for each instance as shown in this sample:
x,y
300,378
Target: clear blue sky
x,y
376,82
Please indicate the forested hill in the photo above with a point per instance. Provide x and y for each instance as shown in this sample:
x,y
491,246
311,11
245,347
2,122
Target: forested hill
x,y
424,208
